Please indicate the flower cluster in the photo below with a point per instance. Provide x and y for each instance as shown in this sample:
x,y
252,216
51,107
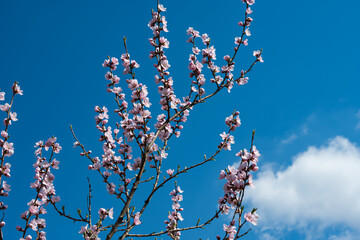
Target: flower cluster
x,y
242,79
93,232
45,190
111,63
175,215
233,121
129,125
237,179
258,56
208,55
230,230
109,160
90,233
114,79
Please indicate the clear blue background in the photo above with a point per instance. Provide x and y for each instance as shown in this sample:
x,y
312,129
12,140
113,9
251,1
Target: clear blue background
x,y
55,50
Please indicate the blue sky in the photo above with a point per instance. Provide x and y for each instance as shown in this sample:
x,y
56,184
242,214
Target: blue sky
x,y
303,101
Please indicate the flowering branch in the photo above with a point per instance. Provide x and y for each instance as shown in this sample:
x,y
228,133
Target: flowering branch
x,y
7,149
132,146
45,190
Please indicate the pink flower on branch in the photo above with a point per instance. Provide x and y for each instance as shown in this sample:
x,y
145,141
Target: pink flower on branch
x,y
258,56
251,217
103,213
16,89
170,172
137,218
230,230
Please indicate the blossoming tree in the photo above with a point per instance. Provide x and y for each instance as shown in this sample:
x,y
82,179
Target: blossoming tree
x,y
136,142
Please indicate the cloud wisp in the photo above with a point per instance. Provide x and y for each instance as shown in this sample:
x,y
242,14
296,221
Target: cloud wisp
x,y
290,139
357,127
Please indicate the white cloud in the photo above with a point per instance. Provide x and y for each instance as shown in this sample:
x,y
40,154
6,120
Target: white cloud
x,y
345,236
290,139
320,189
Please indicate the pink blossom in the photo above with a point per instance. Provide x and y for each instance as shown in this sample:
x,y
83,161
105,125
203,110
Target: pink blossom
x,y
222,174
8,149
4,134
251,217
37,223
164,42
111,213
231,230
6,186
84,229
224,209
196,50
55,199
170,172
256,154
250,2
137,218
55,164
108,75
257,54
179,189
13,116
24,214
242,80
227,58
16,89
192,32
39,144
50,142
248,21
4,107
2,96
33,209
106,63
161,8
6,169
205,38
103,213
111,188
